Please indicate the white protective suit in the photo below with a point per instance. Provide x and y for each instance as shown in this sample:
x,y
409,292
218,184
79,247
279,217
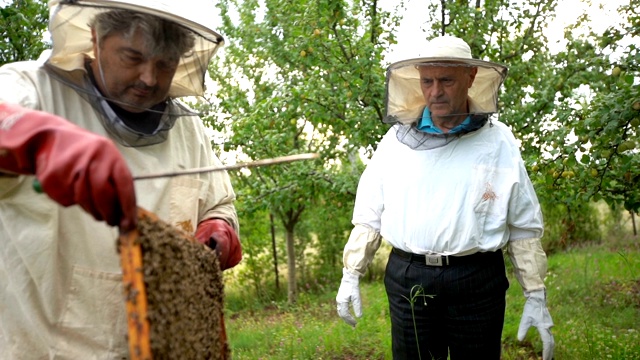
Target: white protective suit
x,y
61,293
453,195
489,199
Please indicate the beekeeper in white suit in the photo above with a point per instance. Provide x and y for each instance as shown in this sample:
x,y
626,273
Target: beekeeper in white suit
x,y
100,109
448,190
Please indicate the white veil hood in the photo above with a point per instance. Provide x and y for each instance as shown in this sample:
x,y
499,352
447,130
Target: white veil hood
x,y
71,35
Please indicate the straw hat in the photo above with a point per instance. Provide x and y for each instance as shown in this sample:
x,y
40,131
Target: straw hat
x,y
71,35
404,99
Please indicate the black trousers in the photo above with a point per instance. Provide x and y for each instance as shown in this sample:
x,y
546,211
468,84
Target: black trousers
x,y
463,319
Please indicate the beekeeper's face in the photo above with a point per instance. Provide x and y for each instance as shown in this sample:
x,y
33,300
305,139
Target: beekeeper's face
x,y
127,74
445,90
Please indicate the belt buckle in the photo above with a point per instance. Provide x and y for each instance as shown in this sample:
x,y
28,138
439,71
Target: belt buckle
x,y
433,260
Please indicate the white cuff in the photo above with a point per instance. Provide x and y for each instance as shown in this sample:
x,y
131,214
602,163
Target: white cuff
x,y
529,263
359,251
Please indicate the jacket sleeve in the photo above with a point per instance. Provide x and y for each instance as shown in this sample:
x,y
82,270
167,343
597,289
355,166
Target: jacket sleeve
x,y
365,239
22,91
525,215
220,198
526,227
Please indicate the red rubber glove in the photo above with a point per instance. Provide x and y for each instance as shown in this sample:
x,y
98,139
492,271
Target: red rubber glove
x,y
73,165
219,235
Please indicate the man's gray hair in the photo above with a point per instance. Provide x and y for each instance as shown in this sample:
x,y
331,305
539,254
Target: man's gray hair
x,y
164,37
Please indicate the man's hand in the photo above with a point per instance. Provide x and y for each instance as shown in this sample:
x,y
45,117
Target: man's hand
x,y
536,314
73,165
220,236
349,294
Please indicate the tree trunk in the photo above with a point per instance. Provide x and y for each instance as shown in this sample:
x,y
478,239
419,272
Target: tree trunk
x,y
275,252
291,265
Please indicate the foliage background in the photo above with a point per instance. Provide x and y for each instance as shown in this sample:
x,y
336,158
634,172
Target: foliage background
x,y
22,27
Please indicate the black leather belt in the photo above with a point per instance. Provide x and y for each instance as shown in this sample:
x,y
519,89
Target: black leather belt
x,y
442,260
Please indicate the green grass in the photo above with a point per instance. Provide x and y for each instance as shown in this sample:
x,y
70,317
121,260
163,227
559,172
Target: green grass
x,y
593,296
311,329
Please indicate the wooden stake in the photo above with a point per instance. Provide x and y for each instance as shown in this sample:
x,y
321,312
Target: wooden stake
x,y
263,162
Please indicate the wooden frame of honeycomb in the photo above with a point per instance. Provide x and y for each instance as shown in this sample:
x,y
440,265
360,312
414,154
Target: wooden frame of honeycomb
x,y
174,293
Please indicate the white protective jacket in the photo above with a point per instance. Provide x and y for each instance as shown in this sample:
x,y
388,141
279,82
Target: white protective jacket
x,y
469,196
60,277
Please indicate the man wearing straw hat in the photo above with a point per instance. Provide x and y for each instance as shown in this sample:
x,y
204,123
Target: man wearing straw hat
x,y
448,190
101,107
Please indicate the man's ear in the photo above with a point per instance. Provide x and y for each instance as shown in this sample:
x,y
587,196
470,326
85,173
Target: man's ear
x,y
94,41
472,75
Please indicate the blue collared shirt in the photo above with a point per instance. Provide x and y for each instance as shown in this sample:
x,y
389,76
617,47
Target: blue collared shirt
x,y
426,124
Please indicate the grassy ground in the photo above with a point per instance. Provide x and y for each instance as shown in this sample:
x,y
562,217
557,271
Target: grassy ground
x,y
593,297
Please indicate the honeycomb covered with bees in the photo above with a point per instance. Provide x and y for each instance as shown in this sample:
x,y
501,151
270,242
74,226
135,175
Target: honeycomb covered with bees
x,y
184,293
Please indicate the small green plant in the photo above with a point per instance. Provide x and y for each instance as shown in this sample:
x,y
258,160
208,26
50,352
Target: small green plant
x,y
417,291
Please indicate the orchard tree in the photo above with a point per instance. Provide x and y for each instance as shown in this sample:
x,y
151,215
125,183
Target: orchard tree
x,y
591,151
300,76
607,128
22,25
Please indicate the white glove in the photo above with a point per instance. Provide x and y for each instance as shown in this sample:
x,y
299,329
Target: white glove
x,y
536,314
349,293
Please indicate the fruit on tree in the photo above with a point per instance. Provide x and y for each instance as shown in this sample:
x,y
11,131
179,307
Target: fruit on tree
x,y
622,147
616,71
